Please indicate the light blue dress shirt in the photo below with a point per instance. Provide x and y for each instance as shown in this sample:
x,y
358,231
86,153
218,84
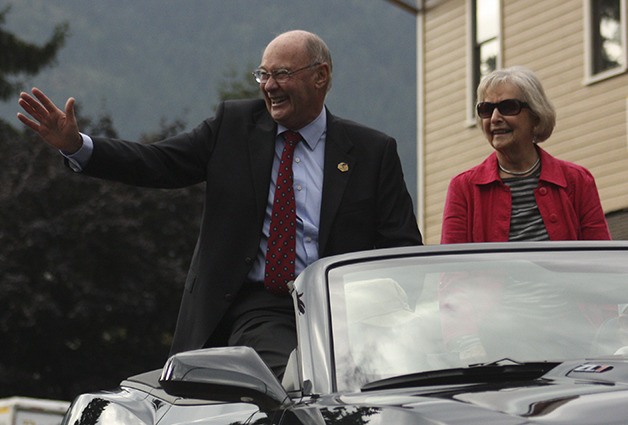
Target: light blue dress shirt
x,y
307,167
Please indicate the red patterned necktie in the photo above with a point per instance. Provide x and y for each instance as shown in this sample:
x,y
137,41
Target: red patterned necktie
x,y
281,252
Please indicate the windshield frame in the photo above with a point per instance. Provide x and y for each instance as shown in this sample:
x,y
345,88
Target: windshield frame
x,y
571,261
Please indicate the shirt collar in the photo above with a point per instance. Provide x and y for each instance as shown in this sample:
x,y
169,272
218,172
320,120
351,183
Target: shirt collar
x,y
551,171
312,132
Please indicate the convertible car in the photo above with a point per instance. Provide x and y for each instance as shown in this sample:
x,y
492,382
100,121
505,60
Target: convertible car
x,y
516,333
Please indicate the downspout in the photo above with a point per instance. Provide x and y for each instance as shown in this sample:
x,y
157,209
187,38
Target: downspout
x,y
420,131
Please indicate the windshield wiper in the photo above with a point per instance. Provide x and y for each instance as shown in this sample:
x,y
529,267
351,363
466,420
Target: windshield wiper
x,y
498,371
500,362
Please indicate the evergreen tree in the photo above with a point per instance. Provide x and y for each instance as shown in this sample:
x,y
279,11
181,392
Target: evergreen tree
x,y
238,87
91,271
20,57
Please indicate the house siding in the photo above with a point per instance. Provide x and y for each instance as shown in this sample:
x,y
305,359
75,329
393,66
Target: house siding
x,y
548,37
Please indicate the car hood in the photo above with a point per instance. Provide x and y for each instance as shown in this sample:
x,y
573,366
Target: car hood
x,y
578,392
572,393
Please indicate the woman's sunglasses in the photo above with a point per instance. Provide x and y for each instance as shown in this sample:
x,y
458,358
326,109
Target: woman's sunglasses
x,y
505,107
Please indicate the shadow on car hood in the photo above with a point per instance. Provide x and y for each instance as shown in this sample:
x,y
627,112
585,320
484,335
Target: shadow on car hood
x,y
565,394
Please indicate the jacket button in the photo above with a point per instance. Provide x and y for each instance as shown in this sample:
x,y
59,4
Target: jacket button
x,y
248,260
543,191
553,218
229,297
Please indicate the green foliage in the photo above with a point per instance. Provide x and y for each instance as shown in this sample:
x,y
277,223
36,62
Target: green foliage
x,y
92,271
19,57
238,87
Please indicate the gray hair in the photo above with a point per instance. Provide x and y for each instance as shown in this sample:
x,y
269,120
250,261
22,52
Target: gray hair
x,y
532,93
319,52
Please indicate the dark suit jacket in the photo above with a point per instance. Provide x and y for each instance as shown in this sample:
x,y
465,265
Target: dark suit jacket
x,y
364,207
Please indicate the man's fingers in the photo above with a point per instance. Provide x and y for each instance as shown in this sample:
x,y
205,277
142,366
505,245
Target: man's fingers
x,y
47,103
69,109
28,122
57,127
32,106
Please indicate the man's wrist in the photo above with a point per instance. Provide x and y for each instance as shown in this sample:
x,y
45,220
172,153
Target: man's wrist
x,y
78,160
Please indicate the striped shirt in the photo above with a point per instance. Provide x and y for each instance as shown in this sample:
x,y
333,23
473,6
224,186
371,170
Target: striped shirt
x,y
526,223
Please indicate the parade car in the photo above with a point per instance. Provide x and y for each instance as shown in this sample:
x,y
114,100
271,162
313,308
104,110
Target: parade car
x,y
502,333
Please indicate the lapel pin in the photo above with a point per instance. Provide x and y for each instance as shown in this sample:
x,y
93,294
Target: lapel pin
x,y
343,167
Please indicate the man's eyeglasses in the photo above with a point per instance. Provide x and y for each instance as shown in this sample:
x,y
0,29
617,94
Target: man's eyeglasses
x,y
505,107
280,75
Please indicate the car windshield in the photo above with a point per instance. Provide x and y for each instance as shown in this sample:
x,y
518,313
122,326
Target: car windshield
x,y
400,316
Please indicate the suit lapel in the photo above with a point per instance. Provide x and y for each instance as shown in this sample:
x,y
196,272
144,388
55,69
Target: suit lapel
x,y
338,167
261,145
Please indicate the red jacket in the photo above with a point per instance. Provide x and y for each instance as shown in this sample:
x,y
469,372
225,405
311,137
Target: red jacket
x,y
478,204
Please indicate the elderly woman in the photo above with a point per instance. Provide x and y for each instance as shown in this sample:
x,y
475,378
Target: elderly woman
x,y
520,192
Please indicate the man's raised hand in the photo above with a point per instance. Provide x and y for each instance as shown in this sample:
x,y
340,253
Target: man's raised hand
x,y
58,128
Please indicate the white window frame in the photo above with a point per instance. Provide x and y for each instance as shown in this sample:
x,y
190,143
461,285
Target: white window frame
x,y
471,43
589,76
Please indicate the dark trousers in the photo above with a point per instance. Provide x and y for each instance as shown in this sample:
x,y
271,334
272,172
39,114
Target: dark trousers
x,y
262,321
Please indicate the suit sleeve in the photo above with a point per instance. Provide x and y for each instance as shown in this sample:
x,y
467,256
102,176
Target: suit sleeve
x,y
396,224
175,162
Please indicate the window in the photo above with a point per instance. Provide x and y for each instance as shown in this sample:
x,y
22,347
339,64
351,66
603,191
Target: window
x,y
485,43
606,38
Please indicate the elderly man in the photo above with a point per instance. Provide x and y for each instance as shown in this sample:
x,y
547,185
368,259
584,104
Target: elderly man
x,y
286,181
